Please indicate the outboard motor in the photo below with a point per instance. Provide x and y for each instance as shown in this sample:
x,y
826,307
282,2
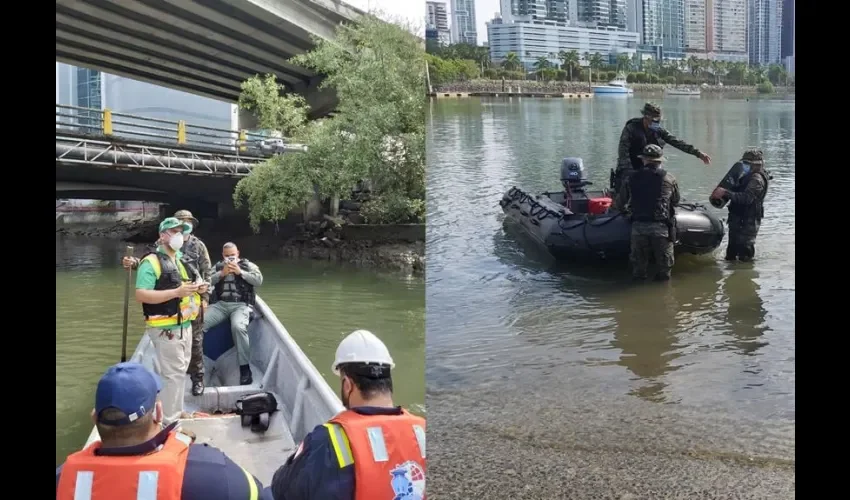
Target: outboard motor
x,y
573,175
256,409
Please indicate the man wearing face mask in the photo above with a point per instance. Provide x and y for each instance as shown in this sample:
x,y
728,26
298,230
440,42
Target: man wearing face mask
x,y
372,450
169,292
746,206
637,134
195,253
233,284
137,458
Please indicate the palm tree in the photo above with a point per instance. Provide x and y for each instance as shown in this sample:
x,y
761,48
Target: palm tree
x,y
511,61
569,60
719,70
540,66
596,62
624,62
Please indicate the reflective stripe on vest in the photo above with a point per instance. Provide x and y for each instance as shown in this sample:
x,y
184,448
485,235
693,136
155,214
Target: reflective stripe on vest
x,y
387,453
146,488
189,306
156,476
341,446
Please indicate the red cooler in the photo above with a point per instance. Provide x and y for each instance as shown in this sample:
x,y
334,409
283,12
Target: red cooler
x,y
597,206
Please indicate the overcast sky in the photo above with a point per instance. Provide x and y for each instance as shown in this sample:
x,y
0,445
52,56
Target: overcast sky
x,y
412,10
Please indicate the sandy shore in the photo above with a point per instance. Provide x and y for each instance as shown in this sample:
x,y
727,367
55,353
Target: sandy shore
x,y
495,444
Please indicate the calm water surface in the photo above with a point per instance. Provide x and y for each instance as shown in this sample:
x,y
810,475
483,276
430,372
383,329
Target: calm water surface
x,y
318,303
718,339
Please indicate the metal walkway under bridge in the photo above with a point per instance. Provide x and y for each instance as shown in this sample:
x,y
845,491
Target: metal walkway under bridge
x,y
100,137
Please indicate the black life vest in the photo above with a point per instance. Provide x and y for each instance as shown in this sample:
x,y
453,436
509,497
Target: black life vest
x,y
756,210
243,288
169,279
648,199
639,138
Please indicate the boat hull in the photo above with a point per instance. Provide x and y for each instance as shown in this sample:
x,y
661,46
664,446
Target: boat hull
x,y
568,236
611,90
279,366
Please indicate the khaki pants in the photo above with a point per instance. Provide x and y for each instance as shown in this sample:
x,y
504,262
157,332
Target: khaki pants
x,y
173,351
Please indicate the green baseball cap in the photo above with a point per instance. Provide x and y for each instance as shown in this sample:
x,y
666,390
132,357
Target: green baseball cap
x,y
172,222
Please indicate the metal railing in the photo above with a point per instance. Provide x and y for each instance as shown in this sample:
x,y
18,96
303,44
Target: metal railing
x,y
70,150
103,123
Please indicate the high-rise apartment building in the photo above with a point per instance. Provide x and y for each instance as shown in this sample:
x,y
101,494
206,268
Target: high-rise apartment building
x,y
536,10
601,12
530,41
716,29
695,27
463,28
726,30
787,28
437,22
764,31
664,26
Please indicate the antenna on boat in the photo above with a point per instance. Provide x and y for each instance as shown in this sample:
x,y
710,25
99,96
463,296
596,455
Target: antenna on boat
x,y
126,307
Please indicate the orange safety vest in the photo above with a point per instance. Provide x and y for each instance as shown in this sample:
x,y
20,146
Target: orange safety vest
x,y
156,476
388,453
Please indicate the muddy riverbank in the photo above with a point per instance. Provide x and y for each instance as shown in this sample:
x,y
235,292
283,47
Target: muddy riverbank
x,y
322,240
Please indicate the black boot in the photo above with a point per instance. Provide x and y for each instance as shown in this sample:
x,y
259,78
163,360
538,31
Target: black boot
x,y
661,277
197,387
245,375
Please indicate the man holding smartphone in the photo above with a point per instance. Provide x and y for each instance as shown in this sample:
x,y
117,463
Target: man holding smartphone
x,y
233,296
169,292
194,251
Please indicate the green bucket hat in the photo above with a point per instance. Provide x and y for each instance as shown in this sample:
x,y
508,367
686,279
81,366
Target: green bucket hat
x,y
173,222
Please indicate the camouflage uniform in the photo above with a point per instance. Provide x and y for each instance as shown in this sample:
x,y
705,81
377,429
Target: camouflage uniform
x,y
195,253
746,208
635,137
649,197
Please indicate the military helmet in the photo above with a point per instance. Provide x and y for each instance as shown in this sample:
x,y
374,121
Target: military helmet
x,y
651,109
754,156
652,152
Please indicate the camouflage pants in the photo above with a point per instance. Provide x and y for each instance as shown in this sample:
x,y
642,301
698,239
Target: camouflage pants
x,y
651,239
742,237
196,363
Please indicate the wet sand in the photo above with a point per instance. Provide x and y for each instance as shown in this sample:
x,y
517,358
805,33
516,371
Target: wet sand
x,y
481,445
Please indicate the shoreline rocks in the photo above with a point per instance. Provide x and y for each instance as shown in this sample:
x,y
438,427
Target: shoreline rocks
x,y
314,240
577,87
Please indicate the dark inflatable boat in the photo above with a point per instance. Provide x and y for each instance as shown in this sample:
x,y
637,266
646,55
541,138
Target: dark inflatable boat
x,y
578,222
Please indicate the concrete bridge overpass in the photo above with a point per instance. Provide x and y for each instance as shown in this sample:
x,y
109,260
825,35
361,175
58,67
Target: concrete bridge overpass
x,y
117,156
204,47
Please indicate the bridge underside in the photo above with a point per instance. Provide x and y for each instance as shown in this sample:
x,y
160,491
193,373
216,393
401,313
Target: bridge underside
x,y
204,47
203,193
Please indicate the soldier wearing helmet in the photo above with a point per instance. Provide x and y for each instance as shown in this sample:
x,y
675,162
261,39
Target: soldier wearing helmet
x,y
746,206
371,450
637,134
649,197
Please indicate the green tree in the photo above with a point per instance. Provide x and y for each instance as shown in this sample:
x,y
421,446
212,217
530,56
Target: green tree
x,y
569,60
540,67
511,61
378,132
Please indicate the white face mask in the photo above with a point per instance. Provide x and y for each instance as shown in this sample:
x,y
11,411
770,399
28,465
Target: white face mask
x,y
176,241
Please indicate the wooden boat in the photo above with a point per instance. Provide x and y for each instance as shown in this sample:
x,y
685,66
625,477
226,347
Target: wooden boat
x,y
279,366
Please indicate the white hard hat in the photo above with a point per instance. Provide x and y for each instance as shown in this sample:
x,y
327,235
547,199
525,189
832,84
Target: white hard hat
x,y
362,346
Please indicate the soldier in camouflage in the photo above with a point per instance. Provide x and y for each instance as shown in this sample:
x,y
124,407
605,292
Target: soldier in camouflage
x,y
195,254
649,197
746,207
637,134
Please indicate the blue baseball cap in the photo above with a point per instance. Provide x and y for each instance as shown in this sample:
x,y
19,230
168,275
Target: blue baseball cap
x,y
128,387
